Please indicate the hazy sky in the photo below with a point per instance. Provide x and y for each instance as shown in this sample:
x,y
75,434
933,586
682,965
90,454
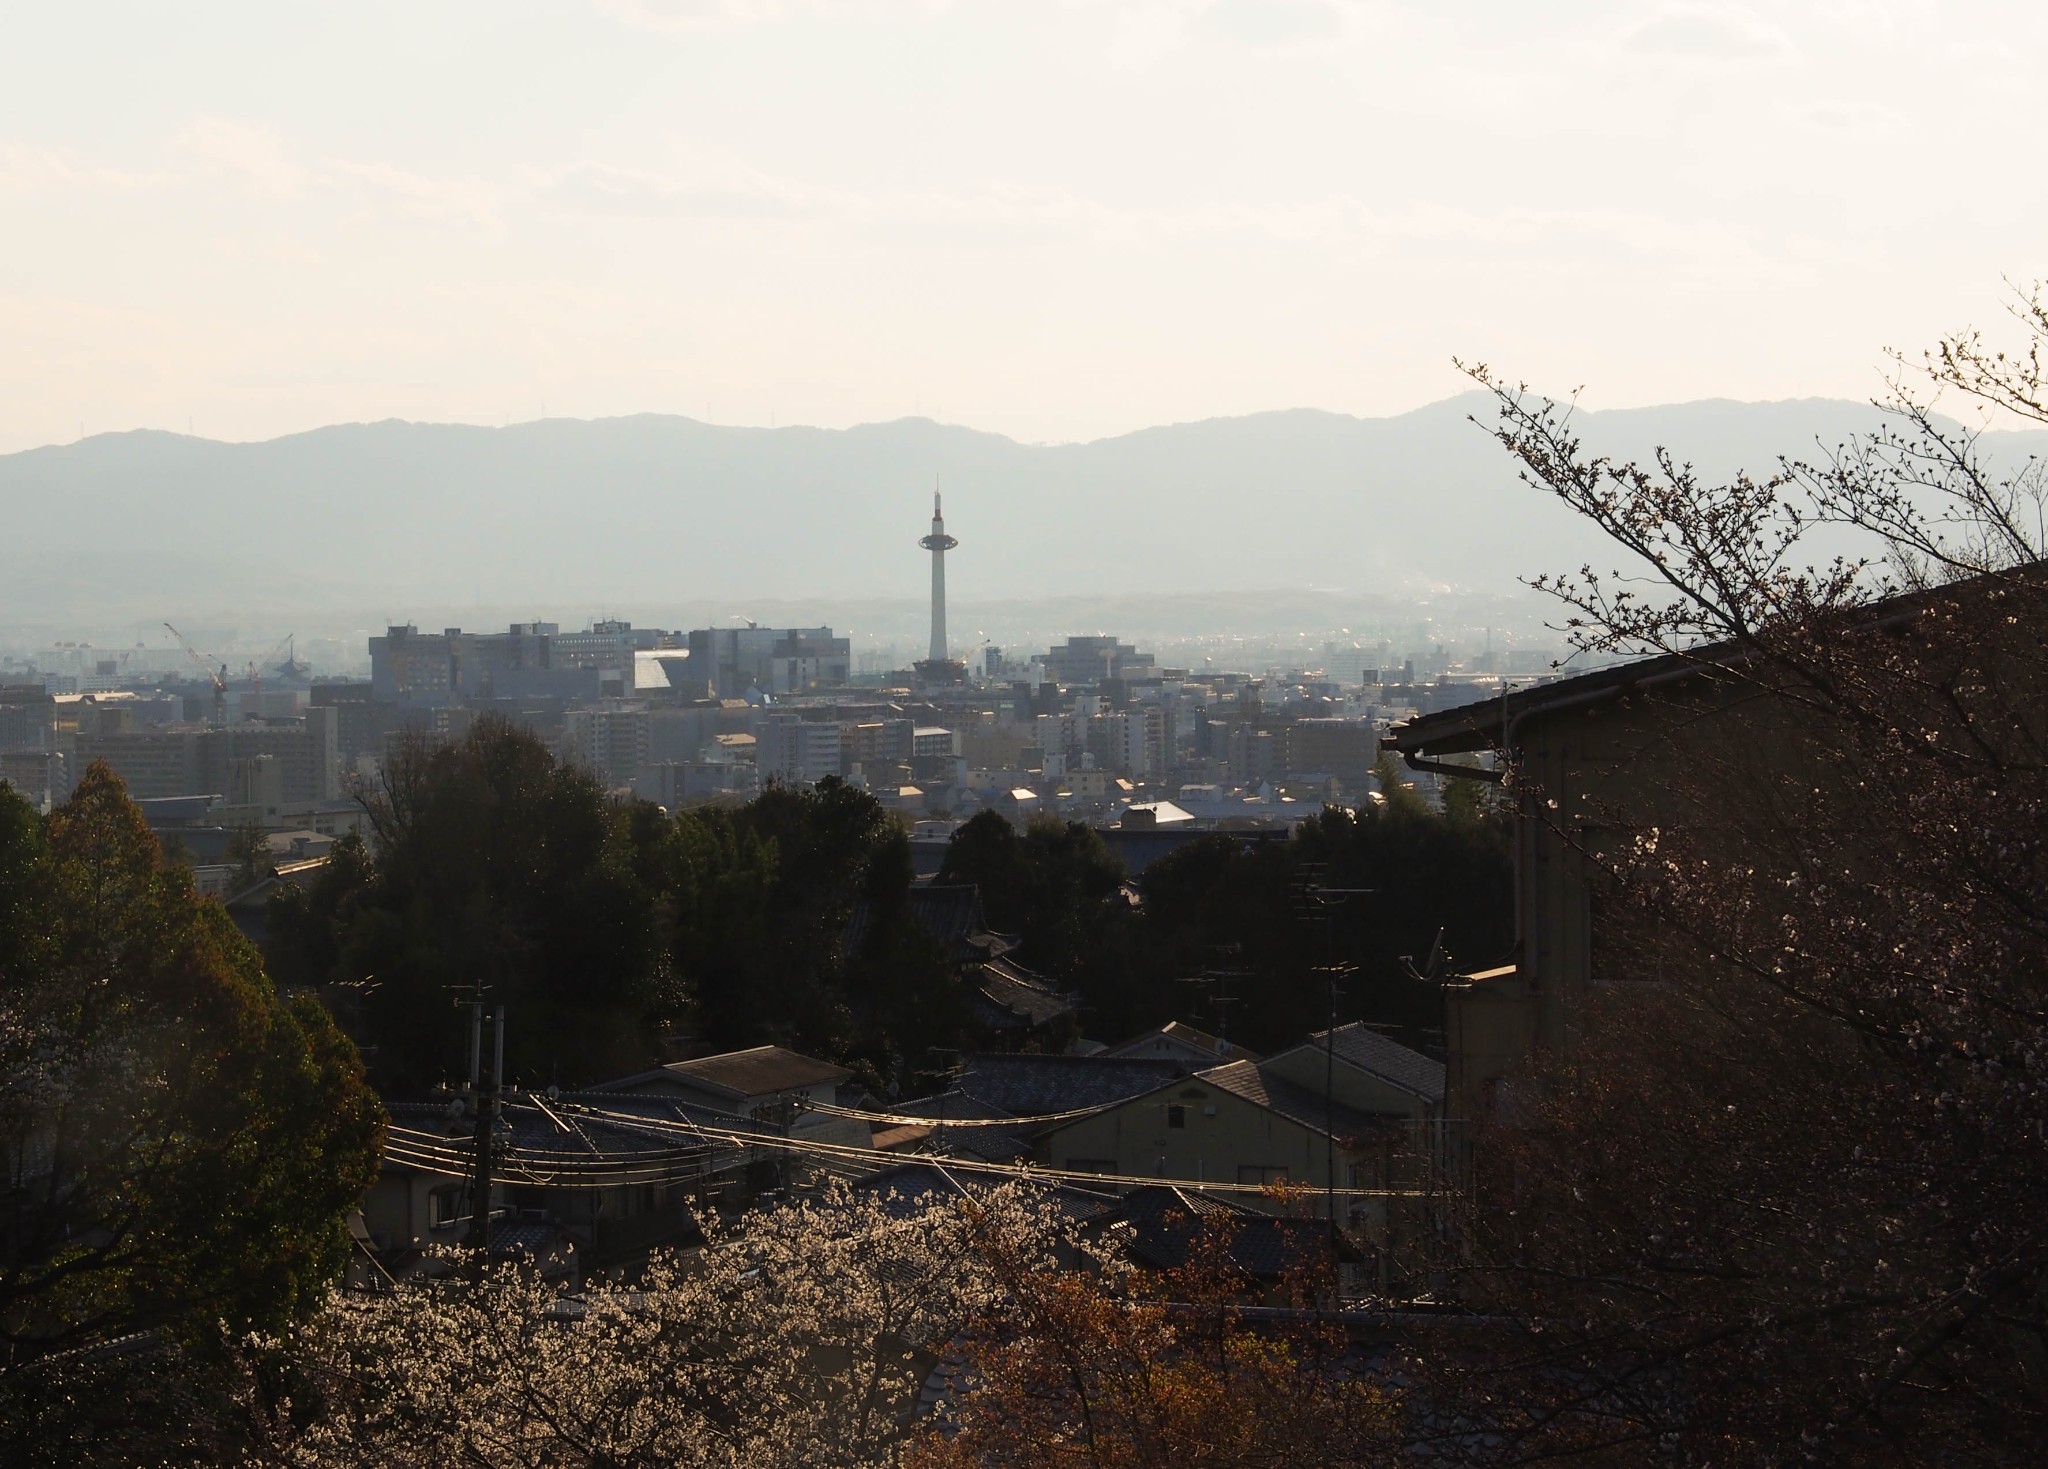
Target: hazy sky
x,y
1057,220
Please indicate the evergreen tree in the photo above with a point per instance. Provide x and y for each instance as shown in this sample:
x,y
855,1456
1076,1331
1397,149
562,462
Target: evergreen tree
x,y
182,1143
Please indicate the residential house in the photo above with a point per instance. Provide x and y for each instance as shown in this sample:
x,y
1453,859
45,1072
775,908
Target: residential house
x,y
1348,1119
1611,755
1178,1041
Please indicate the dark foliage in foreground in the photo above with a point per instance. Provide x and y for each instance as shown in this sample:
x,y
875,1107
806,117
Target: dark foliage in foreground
x,y
181,1142
1790,1205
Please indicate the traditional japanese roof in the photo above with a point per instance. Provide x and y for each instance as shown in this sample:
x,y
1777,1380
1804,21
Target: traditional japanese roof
x,y
952,915
1016,994
1487,723
992,1144
1027,1086
1384,1058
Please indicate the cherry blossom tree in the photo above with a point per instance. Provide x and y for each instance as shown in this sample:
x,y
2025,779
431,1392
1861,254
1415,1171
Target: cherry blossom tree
x,y
1790,1204
801,1337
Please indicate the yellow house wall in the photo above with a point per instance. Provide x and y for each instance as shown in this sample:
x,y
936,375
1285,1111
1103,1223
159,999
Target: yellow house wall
x,y
1134,1139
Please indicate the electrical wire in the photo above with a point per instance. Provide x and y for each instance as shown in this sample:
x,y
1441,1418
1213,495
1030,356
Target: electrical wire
x,y
436,1154
1009,1171
905,1118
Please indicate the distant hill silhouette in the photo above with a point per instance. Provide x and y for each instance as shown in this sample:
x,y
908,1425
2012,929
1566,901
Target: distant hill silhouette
x,y
658,510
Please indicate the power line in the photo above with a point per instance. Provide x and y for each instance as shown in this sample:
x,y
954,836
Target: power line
x,y
437,1154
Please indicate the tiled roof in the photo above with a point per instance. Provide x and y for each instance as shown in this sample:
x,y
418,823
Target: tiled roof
x,y
994,1144
1019,994
530,1237
1189,1036
1026,1086
952,915
1253,1082
910,1188
757,1072
1387,1059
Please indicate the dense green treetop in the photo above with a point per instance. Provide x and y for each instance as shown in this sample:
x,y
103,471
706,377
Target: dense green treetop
x,y
182,1143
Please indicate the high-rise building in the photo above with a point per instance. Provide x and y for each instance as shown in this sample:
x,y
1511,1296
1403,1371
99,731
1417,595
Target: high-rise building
x,y
1092,659
731,660
798,751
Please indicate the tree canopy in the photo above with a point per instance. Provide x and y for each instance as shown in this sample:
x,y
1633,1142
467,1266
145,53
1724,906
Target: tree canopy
x,y
499,870
182,1142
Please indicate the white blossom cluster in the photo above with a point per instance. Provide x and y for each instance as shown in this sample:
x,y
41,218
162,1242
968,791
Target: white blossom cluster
x,y
801,1337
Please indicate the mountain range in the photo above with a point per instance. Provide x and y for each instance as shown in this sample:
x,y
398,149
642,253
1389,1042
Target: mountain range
x,y
567,518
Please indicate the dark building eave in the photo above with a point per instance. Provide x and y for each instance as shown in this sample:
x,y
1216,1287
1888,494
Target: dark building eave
x,y
1485,725
1491,724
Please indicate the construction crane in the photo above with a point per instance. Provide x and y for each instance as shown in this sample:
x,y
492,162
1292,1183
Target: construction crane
x,y
219,680
283,661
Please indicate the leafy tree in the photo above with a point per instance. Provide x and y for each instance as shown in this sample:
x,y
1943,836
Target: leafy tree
x,y
1379,889
723,887
1054,885
1791,1204
249,851
1395,790
181,1143
900,985
766,895
497,869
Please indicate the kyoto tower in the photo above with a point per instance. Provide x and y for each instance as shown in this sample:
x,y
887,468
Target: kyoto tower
x,y
938,543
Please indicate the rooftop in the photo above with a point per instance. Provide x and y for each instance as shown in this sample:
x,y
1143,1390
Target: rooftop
x,y
1036,1086
1387,1059
757,1072
952,915
1253,1082
1189,1036
1018,993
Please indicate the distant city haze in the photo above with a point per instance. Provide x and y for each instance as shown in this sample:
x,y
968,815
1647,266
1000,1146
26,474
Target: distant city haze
x,y
1056,222
1413,528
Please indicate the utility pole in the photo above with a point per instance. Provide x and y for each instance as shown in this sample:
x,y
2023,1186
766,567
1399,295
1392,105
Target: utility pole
x,y
947,1074
1314,904
1330,1097
485,1098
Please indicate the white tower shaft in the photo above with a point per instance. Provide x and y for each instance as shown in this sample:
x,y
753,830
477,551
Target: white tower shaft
x,y
938,543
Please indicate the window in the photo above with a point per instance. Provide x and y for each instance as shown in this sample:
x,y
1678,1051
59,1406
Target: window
x,y
445,1206
1260,1173
1176,1115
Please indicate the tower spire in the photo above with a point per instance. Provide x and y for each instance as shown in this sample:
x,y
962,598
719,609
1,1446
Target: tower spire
x,y
938,543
